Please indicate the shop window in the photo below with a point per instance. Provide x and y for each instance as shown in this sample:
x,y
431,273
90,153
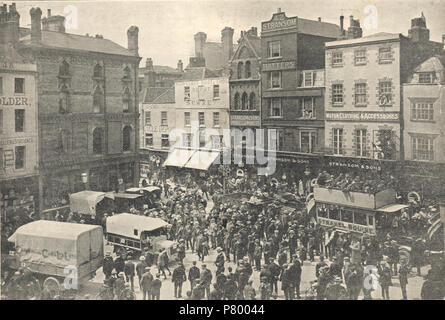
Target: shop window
x,y
248,73
202,139
216,141
187,139
98,137
98,99
240,70
19,120
252,101
20,157
126,138
360,218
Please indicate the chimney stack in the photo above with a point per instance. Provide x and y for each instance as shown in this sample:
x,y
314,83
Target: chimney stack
x,y
36,25
180,66
354,30
149,74
419,31
342,29
9,24
53,23
200,39
279,10
133,44
319,19
227,42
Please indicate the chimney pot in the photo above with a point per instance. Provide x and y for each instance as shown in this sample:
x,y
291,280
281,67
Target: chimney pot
x,y
49,13
319,19
279,10
180,66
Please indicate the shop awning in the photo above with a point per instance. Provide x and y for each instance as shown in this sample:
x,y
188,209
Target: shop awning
x,y
84,202
114,195
392,208
178,158
202,160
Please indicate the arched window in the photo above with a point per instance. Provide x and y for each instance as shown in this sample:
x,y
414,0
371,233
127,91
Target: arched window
x,y
247,69
126,100
64,69
63,141
244,101
98,137
240,70
252,101
64,96
126,138
236,101
98,100
98,71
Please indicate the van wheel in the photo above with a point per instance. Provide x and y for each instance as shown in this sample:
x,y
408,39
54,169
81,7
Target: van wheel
x,y
51,286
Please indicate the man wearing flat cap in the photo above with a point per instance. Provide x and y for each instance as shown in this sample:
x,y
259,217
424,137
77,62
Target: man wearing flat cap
x,y
145,284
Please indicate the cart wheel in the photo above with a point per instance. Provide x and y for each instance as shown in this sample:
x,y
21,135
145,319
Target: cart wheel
x,y
52,286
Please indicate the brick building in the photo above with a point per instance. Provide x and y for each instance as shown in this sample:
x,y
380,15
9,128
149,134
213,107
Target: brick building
x,y
423,123
292,84
18,122
88,115
245,82
364,99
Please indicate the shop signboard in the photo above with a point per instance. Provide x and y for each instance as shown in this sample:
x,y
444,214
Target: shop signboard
x,y
346,226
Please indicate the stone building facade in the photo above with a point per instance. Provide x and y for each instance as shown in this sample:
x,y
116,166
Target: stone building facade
x,y
19,165
88,109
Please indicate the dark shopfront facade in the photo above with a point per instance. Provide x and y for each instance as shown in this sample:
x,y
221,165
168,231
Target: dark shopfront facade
x,y
59,179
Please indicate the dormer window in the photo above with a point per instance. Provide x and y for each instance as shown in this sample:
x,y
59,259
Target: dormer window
x,y
426,77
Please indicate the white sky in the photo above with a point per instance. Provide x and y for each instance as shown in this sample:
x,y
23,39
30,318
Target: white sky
x,y
166,28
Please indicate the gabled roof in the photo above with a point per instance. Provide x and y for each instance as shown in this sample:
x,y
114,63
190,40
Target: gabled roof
x,y
436,63
151,94
318,28
62,40
253,43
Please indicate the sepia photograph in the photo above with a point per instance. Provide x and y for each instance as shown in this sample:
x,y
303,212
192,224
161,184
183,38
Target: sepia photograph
x,y
226,150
